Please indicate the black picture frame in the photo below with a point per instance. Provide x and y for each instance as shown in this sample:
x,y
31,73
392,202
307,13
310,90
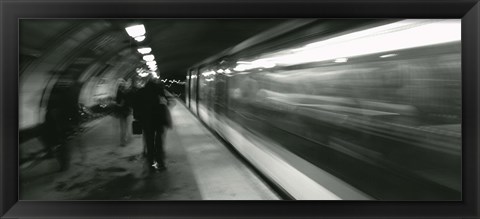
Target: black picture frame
x,y
12,10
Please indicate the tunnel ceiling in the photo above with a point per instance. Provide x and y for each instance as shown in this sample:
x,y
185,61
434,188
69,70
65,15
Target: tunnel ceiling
x,y
177,44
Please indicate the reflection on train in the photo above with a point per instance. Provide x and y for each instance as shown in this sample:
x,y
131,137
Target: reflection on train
x,y
342,109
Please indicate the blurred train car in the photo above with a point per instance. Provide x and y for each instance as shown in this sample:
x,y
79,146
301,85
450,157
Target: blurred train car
x,y
342,109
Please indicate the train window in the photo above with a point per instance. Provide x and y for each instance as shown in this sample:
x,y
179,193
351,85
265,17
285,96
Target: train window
x,y
206,92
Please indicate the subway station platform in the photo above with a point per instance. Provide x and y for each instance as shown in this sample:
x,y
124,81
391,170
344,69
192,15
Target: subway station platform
x,y
199,167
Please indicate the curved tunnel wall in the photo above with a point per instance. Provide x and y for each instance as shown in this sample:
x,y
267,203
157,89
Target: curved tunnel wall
x,y
86,55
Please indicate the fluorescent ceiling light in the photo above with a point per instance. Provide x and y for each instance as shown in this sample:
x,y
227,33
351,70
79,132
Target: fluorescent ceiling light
x,y
149,58
151,63
136,30
144,74
140,38
144,50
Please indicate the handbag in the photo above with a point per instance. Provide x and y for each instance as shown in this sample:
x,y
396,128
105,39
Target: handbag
x,y
167,117
136,127
162,115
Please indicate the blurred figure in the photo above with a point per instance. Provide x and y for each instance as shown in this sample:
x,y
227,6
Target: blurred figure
x,y
54,136
123,110
61,121
151,109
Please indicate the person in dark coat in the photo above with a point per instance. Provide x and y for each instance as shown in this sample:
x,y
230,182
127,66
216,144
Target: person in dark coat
x,y
151,109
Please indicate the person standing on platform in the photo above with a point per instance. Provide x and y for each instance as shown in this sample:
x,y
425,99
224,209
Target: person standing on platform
x,y
151,110
123,110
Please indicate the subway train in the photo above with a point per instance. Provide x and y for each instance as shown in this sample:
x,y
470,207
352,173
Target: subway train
x,y
342,109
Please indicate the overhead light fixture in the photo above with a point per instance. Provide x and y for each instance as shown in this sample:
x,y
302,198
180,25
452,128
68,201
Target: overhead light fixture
x,y
151,64
144,50
136,30
143,74
149,58
140,38
155,75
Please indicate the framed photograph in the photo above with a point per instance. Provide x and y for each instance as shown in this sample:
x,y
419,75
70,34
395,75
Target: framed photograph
x,y
245,109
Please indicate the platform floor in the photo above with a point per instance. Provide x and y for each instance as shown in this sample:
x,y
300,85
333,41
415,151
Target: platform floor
x,y
199,167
